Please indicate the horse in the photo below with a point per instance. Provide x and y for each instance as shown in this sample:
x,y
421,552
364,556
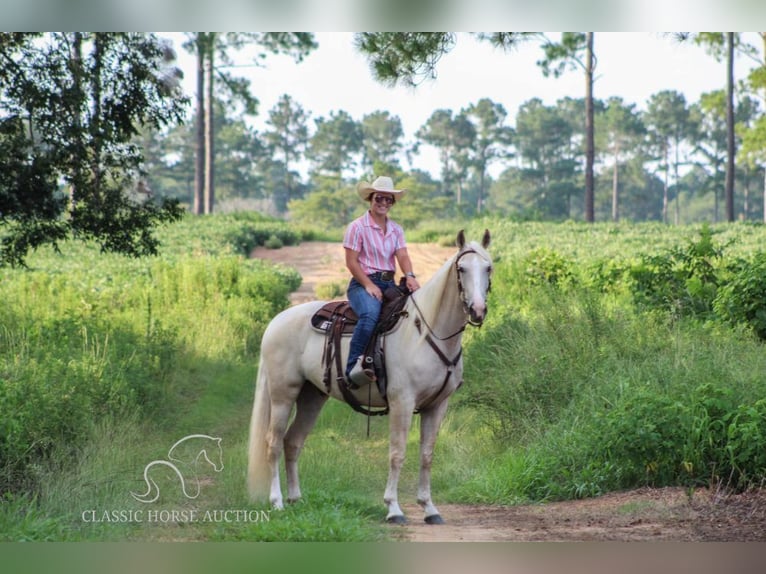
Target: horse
x,y
424,367
185,453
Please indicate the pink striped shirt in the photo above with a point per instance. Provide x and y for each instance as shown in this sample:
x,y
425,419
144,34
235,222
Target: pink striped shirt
x,y
376,250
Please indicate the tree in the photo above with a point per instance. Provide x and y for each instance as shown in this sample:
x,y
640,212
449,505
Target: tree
x,y
621,128
382,138
668,122
746,117
411,57
548,169
712,144
210,47
335,143
454,137
722,46
753,147
576,51
492,141
288,138
71,105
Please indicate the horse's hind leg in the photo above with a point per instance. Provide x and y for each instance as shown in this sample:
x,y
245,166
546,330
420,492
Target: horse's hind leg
x,y
309,404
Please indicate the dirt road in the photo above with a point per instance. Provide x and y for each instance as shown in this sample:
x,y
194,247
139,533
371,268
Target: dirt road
x,y
668,514
322,263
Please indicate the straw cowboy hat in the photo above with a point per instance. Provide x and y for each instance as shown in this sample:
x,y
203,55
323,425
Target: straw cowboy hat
x,y
383,184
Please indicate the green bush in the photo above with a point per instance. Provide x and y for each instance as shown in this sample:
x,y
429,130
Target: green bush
x,y
683,280
273,242
544,266
742,300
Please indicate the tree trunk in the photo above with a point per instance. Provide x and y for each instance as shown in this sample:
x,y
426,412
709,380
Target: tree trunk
x,y
209,151
589,144
675,180
480,199
199,156
77,74
730,146
95,123
665,187
615,207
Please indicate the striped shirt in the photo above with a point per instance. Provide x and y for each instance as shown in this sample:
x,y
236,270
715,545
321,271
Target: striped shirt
x,y
376,250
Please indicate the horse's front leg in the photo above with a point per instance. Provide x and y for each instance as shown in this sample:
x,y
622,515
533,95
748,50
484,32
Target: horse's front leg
x,y
430,422
399,420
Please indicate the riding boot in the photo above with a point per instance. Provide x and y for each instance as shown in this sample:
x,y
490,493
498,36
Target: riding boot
x,y
361,373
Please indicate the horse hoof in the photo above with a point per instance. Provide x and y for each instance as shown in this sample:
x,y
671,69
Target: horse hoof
x,y
397,519
434,519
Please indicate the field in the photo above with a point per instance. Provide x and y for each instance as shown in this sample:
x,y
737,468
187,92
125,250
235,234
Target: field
x,y
616,359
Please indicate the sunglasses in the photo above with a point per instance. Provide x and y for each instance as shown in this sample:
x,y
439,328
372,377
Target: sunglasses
x,y
384,199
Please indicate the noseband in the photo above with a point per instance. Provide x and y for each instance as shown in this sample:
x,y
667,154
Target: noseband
x,y
461,289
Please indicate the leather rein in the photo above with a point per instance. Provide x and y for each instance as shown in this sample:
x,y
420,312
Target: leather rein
x,y
431,337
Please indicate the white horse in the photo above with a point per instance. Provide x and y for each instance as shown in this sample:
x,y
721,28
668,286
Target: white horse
x,y
424,367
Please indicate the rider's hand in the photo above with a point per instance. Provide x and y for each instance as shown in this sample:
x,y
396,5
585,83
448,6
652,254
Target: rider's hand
x,y
375,291
412,284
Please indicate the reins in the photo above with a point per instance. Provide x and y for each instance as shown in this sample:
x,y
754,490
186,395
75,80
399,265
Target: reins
x,y
431,337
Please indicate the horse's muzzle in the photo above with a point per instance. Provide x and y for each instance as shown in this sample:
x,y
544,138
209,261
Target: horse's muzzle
x,y
476,314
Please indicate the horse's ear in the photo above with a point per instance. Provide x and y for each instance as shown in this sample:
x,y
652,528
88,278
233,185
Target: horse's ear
x,y
460,239
486,239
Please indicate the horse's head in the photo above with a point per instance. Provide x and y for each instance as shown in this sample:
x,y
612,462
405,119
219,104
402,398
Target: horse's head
x,y
474,277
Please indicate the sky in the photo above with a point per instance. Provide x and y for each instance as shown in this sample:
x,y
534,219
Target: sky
x,y
631,65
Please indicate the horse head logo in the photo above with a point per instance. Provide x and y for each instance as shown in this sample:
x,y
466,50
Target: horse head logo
x,y
185,456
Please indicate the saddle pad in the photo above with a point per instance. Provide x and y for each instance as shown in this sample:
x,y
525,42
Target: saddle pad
x,y
326,316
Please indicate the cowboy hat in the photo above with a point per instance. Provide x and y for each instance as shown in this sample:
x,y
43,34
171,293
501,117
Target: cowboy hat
x,y
383,184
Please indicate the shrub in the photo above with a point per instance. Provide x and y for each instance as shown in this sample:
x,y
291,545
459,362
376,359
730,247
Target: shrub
x,y
544,266
742,300
683,280
273,242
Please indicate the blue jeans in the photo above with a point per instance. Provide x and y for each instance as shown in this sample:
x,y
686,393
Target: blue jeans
x,y
367,309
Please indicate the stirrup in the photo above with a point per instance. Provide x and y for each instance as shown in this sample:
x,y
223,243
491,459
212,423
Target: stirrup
x,y
361,374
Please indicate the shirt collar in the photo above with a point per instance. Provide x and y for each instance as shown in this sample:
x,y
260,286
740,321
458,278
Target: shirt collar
x,y
370,222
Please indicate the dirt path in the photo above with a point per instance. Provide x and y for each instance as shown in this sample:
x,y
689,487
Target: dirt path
x,y
669,514
321,263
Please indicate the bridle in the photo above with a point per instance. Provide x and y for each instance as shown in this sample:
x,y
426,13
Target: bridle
x,y
431,337
461,290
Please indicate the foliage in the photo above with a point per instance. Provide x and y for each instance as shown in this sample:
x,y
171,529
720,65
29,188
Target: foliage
x,y
742,300
72,102
627,373
96,339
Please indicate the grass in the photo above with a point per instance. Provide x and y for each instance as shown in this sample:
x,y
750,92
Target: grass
x,y
343,476
568,393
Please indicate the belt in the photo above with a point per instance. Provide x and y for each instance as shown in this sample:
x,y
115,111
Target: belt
x,y
382,275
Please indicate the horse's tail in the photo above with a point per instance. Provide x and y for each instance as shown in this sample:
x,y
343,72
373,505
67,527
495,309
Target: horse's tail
x,y
258,472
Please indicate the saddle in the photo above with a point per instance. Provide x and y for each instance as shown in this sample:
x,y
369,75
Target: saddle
x,y
337,319
333,313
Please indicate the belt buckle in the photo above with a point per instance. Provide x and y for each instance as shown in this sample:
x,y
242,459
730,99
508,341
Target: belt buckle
x,y
387,275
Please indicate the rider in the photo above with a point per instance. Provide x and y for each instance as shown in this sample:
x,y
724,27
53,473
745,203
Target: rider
x,y
373,244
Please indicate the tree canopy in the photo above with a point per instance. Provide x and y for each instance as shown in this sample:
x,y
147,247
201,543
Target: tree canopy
x,y
71,106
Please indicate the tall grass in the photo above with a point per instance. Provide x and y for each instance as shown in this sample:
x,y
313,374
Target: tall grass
x,y
571,388
592,394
